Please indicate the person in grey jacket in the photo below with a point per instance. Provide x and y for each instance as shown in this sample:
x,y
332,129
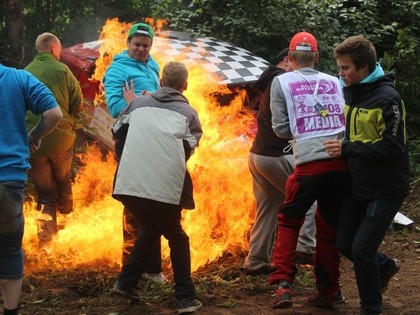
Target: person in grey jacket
x,y
159,133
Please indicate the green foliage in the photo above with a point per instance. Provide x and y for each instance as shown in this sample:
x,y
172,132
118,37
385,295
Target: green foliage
x,y
263,27
414,151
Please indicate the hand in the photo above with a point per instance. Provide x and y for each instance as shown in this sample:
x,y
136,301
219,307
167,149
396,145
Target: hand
x,y
333,147
34,143
128,92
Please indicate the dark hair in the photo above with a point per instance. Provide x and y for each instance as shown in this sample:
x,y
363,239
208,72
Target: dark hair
x,y
360,50
279,58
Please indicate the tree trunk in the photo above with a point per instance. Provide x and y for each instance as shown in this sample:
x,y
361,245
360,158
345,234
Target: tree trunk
x,y
14,26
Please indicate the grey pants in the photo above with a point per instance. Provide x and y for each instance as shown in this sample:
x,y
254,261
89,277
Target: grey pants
x,y
269,176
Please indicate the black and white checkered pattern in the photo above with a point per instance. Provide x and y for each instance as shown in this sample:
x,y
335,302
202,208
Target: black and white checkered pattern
x,y
225,63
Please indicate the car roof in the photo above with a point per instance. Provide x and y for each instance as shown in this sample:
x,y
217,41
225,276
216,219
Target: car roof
x,y
224,63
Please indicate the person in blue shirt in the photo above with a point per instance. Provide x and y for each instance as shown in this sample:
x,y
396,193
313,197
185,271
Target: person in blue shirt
x,y
134,67
19,92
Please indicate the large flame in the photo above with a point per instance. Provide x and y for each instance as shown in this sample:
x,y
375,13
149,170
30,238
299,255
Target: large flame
x,y
222,184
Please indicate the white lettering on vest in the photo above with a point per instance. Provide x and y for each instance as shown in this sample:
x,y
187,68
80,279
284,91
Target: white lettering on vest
x,y
320,122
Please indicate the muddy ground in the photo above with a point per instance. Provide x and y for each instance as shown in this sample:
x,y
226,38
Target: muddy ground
x,y
223,287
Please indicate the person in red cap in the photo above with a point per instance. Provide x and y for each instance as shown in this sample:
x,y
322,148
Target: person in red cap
x,y
308,108
270,166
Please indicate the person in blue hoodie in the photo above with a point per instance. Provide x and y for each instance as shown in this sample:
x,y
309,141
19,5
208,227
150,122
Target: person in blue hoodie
x,y
134,67
375,146
20,92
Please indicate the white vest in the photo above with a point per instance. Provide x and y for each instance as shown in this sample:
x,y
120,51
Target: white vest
x,y
302,93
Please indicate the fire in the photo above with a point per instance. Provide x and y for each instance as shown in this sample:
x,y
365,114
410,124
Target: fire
x,y
224,212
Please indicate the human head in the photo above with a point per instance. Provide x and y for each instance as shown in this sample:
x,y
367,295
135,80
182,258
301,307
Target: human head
x,y
356,59
303,50
175,75
282,60
140,41
140,29
48,42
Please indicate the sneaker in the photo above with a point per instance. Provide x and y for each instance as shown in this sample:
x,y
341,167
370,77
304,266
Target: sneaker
x,y
319,300
188,305
125,291
266,269
283,298
158,277
385,280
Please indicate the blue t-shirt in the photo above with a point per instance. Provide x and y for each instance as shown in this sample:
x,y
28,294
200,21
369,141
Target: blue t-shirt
x,y
20,91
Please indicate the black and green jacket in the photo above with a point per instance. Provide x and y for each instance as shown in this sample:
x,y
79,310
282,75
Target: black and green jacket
x,y
376,143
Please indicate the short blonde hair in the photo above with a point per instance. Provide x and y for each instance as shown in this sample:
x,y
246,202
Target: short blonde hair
x,y
174,75
303,58
45,41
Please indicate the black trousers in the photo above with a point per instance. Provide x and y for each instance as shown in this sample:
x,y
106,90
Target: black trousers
x,y
157,219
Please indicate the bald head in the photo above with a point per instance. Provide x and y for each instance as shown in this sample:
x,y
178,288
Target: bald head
x,y
48,42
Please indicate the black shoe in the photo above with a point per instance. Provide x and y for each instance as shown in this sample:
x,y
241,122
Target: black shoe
x,y
266,269
319,300
385,280
125,291
304,259
366,312
188,305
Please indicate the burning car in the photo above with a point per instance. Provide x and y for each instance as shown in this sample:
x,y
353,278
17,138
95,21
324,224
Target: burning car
x,y
222,183
220,62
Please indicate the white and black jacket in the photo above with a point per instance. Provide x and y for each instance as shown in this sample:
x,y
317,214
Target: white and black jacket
x,y
155,135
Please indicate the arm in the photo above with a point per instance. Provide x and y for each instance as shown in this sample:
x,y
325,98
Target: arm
x,y
47,123
114,83
280,117
75,93
390,137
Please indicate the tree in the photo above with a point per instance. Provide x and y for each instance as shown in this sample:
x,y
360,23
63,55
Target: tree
x,y
13,52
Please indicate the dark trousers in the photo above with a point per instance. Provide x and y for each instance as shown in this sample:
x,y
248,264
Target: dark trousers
x,y
130,231
327,183
362,228
157,219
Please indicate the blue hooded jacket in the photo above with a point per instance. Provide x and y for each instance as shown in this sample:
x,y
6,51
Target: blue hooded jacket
x,y
124,69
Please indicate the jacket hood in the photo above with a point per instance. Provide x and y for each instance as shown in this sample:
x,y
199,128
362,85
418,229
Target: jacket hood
x,y
357,92
167,94
266,77
375,75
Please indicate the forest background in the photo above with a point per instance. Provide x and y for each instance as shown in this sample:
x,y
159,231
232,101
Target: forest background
x,y
263,27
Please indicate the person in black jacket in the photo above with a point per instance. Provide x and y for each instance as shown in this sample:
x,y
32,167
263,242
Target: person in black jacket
x,y
270,163
375,146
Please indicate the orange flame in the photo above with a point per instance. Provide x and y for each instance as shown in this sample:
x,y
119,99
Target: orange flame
x,y
222,184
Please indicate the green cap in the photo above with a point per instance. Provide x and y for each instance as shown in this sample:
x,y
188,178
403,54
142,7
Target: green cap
x,y
141,29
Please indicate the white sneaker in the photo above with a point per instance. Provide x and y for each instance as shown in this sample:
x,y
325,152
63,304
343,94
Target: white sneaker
x,y
155,277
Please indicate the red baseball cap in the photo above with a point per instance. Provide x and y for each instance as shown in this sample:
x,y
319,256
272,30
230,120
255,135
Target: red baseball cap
x,y
303,41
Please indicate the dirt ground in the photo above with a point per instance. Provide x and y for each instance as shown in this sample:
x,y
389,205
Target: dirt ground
x,y
223,287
